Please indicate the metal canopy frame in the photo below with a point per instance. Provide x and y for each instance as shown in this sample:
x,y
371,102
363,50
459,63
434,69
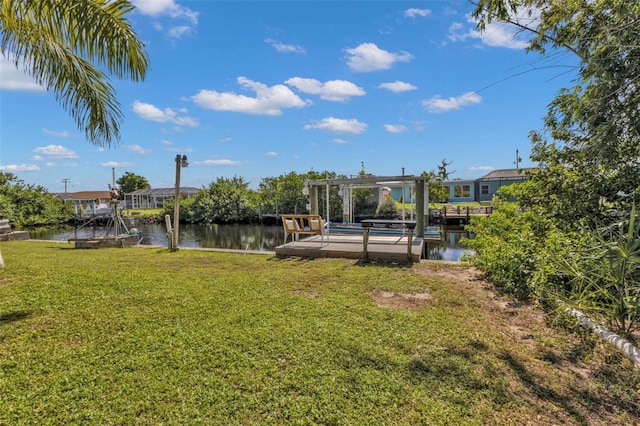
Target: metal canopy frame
x,y
421,191
368,181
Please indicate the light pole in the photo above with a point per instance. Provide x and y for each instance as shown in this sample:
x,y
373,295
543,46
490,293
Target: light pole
x,y
181,161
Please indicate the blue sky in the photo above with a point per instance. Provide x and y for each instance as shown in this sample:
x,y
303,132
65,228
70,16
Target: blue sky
x,y
260,89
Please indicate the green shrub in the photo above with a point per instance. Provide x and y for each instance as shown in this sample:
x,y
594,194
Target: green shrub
x,y
603,271
506,246
387,209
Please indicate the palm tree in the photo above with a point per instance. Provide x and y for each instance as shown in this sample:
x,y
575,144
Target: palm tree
x,y
65,45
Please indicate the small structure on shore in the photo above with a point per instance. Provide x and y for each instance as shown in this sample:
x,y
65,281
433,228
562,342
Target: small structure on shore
x,y
6,234
115,232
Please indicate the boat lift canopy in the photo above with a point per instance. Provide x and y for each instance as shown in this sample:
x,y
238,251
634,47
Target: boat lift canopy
x,y
421,191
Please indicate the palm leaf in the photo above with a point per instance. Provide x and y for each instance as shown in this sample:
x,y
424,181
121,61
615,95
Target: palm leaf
x,y
64,45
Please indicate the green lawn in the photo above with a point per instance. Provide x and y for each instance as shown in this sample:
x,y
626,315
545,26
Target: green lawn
x,y
143,212
148,336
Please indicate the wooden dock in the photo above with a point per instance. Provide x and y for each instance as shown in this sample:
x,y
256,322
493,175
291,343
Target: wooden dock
x,y
388,248
451,215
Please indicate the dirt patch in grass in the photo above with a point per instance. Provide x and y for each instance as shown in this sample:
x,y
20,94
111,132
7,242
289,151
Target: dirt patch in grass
x,y
392,299
576,371
513,318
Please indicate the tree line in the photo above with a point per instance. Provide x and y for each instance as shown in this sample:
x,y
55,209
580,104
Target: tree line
x,y
225,200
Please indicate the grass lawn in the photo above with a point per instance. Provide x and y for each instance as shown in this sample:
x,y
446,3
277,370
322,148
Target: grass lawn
x,y
143,212
148,336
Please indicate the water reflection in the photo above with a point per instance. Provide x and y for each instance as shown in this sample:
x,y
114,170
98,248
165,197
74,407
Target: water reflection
x,y
449,247
231,236
241,237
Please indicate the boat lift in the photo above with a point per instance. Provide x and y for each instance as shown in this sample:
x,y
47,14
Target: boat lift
x,y
415,183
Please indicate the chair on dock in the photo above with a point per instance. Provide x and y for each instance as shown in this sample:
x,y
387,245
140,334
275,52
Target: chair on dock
x,y
304,224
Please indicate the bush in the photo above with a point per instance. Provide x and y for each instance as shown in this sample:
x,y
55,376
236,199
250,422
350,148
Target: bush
x,y
387,209
505,246
603,275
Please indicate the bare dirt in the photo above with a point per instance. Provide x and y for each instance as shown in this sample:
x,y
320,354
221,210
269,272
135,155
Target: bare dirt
x,y
579,377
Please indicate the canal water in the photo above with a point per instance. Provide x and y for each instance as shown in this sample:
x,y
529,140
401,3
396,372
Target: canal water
x,y
240,237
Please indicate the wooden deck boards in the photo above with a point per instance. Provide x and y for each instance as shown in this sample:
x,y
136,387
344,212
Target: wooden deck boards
x,y
386,248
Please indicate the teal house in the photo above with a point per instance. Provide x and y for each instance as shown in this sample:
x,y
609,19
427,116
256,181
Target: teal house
x,y
398,195
485,187
461,190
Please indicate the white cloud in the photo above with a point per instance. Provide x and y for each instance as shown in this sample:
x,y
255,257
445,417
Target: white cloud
x,y
159,8
137,149
179,31
221,162
438,104
413,12
368,57
338,125
268,101
55,151
62,134
271,154
340,141
12,78
398,86
20,168
165,7
116,164
63,165
286,48
497,34
153,113
333,90
226,140
395,128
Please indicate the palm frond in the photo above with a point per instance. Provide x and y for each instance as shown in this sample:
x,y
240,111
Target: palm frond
x,y
64,45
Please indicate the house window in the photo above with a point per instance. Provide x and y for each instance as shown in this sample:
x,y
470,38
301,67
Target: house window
x,y
462,191
484,189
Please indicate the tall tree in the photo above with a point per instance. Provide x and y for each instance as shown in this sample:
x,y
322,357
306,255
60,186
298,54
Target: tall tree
x,y
438,193
28,205
364,205
283,194
225,200
591,165
576,214
65,46
130,182
443,172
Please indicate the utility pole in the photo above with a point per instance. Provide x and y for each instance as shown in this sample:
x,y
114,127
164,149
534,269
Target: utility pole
x,y
181,161
518,160
65,181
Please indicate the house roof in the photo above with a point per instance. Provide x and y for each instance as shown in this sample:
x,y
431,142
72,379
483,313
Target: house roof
x,y
500,174
83,195
459,181
164,192
505,174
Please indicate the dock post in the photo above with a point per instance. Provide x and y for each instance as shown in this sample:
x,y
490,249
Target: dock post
x,y
365,242
420,211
